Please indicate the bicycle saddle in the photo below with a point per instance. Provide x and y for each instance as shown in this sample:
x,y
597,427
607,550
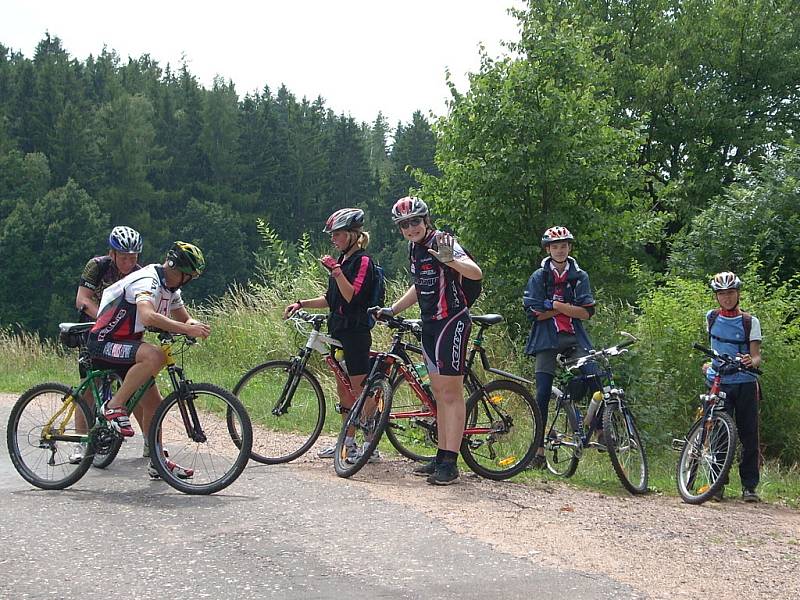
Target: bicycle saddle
x,y
487,320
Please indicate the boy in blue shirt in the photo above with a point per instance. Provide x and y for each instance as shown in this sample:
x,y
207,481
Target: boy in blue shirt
x,y
737,333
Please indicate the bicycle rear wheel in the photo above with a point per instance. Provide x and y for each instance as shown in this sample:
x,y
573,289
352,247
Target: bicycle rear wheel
x,y
561,444
706,458
512,430
625,448
40,459
367,420
414,436
108,440
194,428
287,410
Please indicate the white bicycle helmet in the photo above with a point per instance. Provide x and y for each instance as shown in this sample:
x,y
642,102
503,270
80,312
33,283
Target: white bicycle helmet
x,y
126,240
408,208
557,234
725,281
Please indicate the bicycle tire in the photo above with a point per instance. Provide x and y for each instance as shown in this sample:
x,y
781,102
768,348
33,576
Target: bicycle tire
x,y
510,413
625,448
560,444
218,459
706,458
280,438
414,437
370,429
102,460
29,452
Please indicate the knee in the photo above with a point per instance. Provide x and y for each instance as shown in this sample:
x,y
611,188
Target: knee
x,y
151,356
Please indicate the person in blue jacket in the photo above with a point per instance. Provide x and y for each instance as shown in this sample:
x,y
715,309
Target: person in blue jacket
x,y
557,299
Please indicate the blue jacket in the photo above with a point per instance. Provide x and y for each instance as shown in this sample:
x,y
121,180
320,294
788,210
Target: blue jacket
x,y
543,335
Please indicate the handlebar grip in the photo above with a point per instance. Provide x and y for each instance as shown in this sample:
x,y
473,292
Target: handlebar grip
x,y
703,349
626,343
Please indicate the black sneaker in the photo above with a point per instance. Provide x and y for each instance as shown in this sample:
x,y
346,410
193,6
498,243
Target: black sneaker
x,y
749,495
424,469
445,474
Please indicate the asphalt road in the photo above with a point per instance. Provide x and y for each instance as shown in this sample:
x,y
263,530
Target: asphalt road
x,y
275,533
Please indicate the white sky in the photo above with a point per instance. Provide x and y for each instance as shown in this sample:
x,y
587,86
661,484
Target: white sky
x,y
361,56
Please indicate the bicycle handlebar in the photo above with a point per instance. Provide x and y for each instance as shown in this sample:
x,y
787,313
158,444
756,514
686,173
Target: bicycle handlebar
x,y
616,350
412,325
726,359
166,336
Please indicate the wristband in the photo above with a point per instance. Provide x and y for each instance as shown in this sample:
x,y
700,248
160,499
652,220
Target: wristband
x,y
299,303
548,304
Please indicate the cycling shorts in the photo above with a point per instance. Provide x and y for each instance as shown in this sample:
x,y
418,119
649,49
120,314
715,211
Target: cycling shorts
x,y
356,345
118,355
444,344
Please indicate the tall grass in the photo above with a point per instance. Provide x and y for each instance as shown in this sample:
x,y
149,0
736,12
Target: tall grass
x,y
661,373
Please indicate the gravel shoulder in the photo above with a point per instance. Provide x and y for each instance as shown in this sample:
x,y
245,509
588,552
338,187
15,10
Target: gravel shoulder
x,y
657,545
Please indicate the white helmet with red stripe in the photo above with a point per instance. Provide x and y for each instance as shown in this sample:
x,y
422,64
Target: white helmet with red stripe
x,y
344,218
557,234
408,208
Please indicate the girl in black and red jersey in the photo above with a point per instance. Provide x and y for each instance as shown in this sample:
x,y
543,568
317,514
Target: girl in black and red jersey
x,y
438,266
352,277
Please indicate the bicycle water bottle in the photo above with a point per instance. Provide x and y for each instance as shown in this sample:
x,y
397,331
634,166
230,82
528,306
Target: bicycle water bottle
x,y
338,355
422,373
597,398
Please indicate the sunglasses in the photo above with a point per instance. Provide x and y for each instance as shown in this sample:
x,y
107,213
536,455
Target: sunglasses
x,y
412,222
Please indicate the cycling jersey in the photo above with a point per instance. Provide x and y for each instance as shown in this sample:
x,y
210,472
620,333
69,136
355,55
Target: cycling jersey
x,y
438,286
360,272
99,273
118,317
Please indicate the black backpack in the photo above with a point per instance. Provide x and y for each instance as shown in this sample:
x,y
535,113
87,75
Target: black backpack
x,y
378,296
747,324
472,288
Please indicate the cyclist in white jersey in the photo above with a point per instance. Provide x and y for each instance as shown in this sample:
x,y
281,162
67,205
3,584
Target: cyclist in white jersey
x,y
149,297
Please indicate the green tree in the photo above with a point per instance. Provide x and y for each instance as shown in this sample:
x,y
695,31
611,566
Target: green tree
x,y
216,230
43,247
532,144
755,218
23,179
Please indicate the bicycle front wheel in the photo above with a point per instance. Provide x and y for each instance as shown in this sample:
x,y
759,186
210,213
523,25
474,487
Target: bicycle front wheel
x,y
414,434
366,422
286,407
509,430
562,448
192,447
625,448
108,441
706,458
36,454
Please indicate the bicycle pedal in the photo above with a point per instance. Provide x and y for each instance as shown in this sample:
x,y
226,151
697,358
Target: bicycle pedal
x,y
678,444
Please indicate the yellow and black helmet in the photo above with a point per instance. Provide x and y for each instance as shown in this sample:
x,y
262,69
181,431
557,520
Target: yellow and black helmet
x,y
186,258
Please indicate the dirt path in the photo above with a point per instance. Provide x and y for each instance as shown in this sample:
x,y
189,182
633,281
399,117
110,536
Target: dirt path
x,y
658,545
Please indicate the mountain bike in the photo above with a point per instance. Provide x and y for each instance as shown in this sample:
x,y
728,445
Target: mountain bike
x,y
287,403
708,450
191,421
569,434
502,429
412,424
